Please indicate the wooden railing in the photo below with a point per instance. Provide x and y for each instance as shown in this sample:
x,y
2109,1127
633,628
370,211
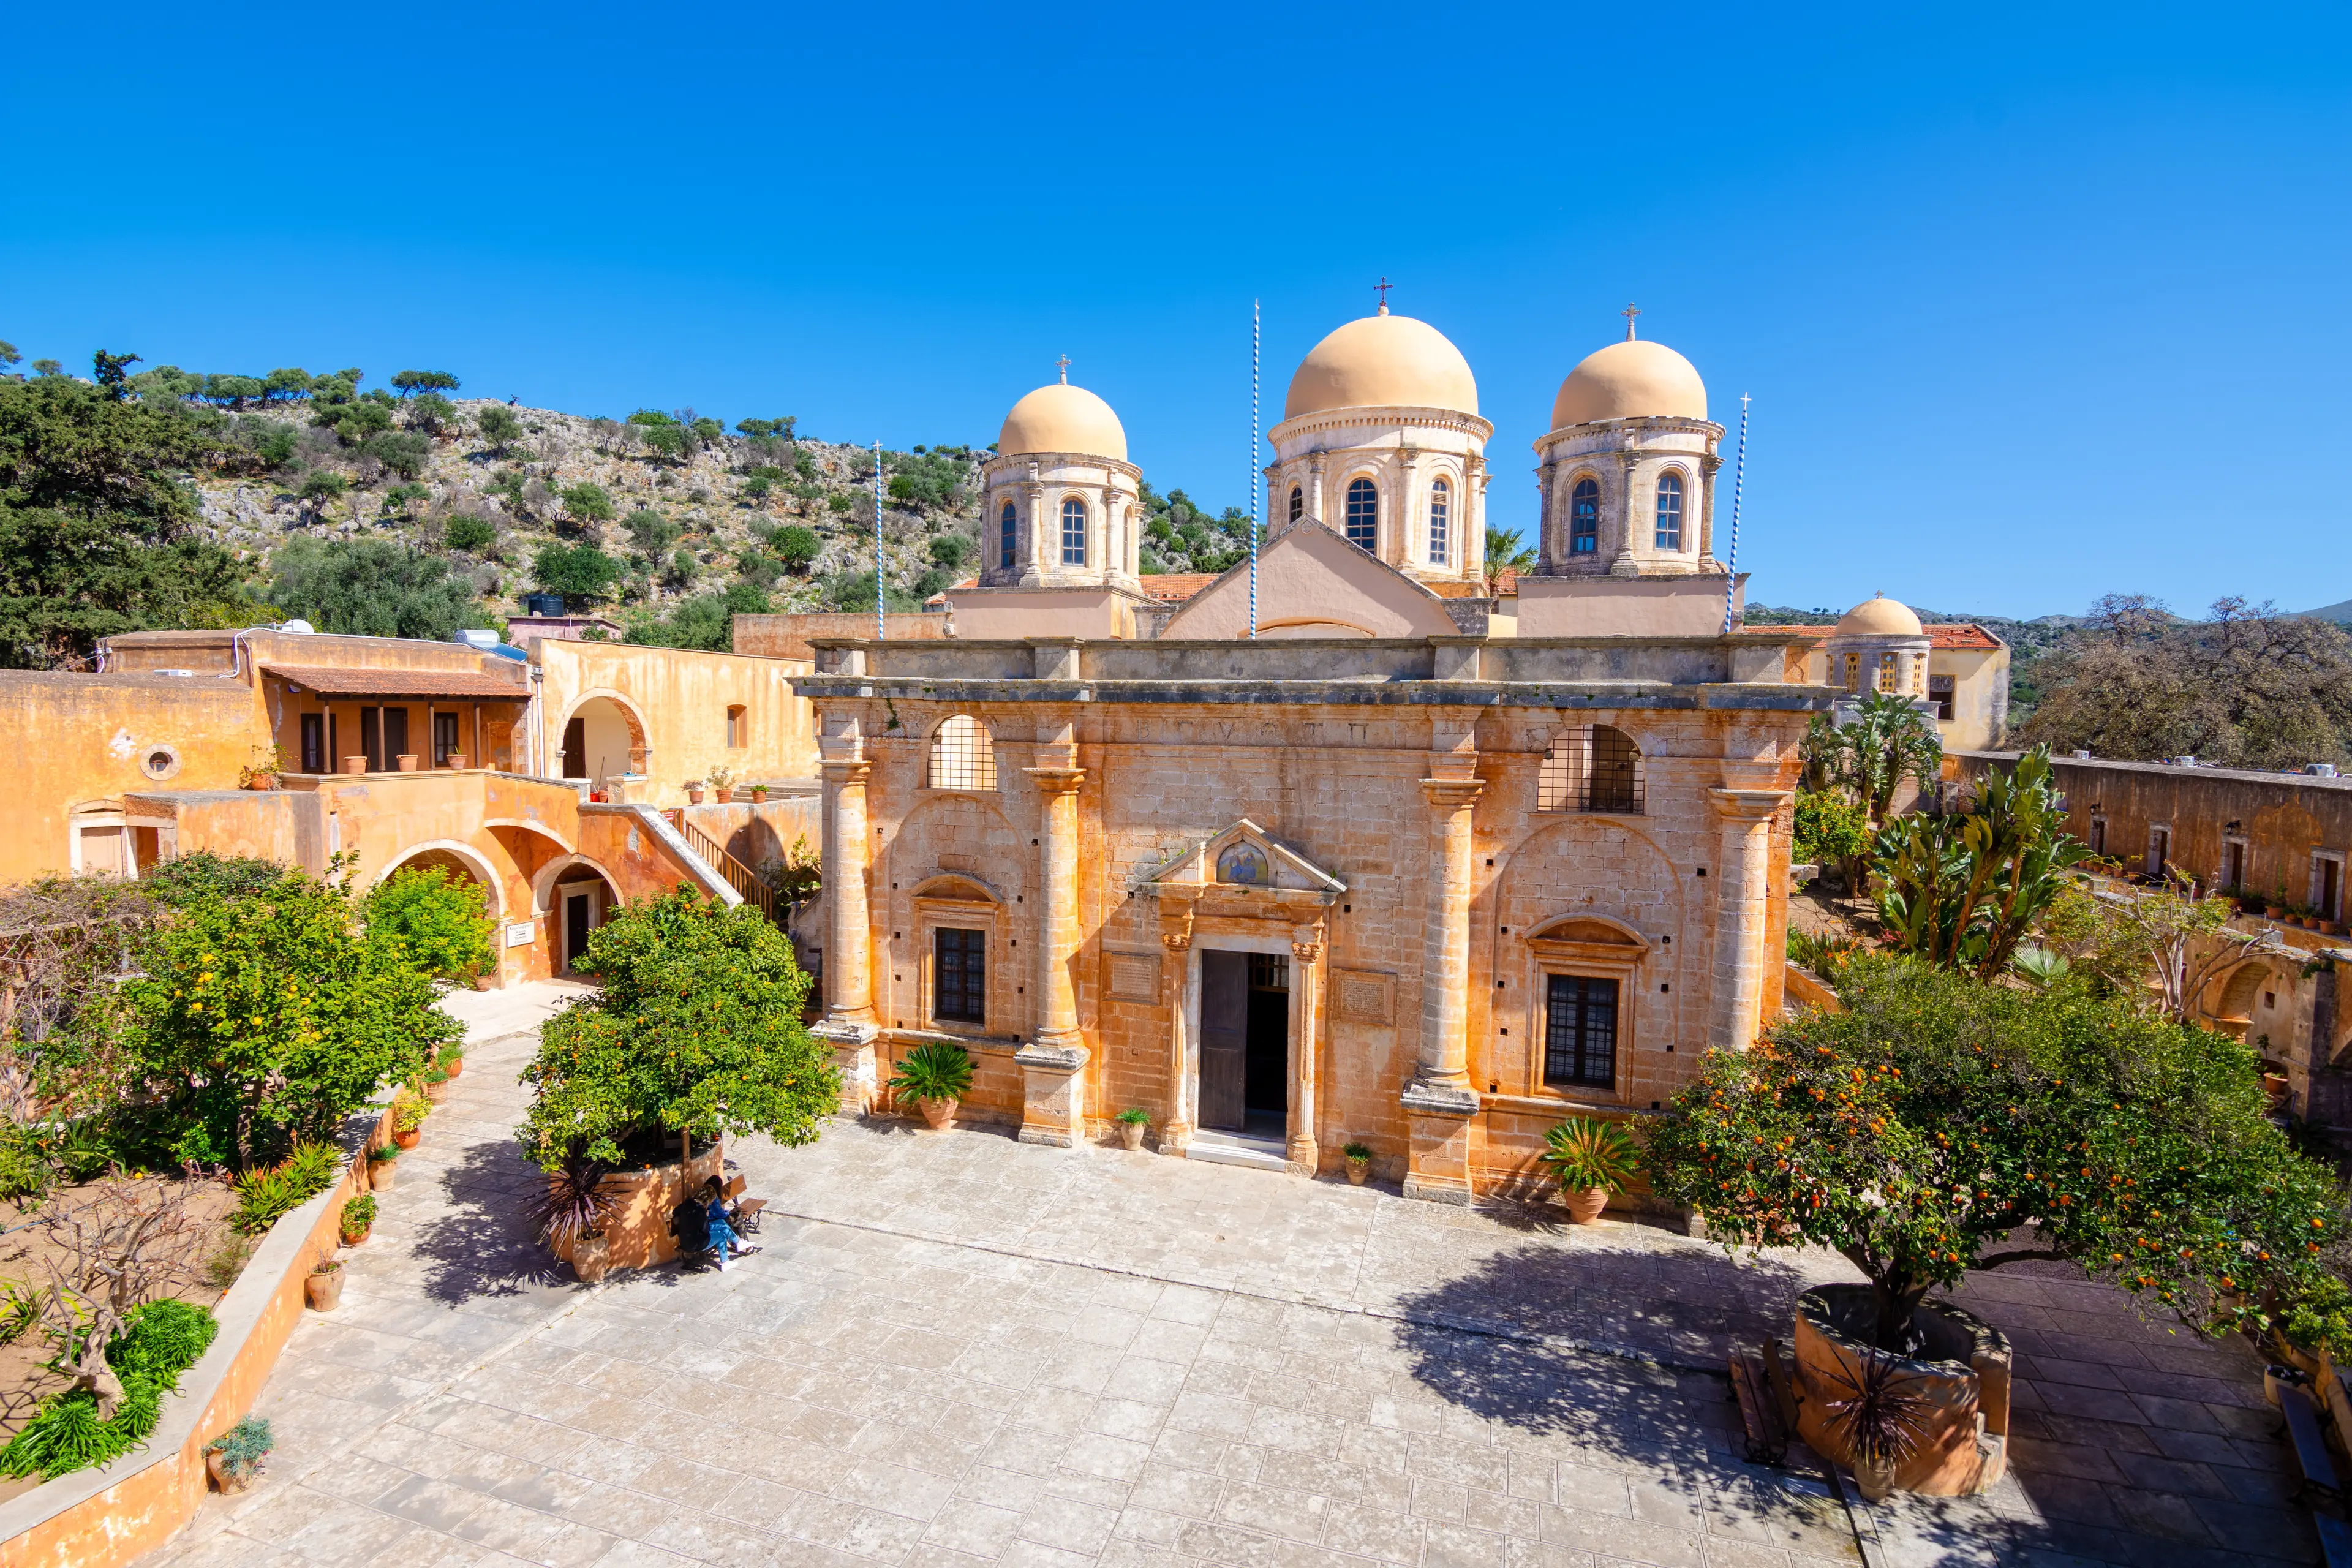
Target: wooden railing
x,y
739,877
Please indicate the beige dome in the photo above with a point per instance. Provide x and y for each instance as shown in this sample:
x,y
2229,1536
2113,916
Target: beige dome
x,y
1383,362
1060,417
1879,618
1632,380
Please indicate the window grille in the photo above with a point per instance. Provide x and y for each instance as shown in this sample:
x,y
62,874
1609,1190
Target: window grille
x,y
1591,768
1074,533
960,976
1886,671
1269,972
1584,519
1579,1032
1854,672
1670,511
963,755
1363,515
1298,503
1440,497
1008,524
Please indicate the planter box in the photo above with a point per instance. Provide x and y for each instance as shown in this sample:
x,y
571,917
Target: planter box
x,y
1963,1374
637,1236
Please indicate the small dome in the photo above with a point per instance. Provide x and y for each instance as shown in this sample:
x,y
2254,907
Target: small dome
x,y
1636,379
1059,417
1383,362
1879,618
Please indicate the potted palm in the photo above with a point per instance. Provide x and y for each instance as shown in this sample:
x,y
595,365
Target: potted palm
x,y
1358,1157
1132,1123
381,1161
358,1217
573,1213
325,1286
1591,1158
1881,1417
232,1457
936,1078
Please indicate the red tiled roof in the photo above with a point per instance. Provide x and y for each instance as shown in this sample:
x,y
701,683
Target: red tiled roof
x,y
1964,636
331,680
1175,587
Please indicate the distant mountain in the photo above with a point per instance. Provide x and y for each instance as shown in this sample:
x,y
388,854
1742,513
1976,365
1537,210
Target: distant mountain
x,y
2340,613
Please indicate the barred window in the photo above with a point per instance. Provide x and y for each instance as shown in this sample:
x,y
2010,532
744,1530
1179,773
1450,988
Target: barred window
x,y
1074,533
1854,672
1593,767
963,755
960,976
1670,511
1298,503
1363,514
1440,498
1584,518
1009,527
1579,1032
1886,671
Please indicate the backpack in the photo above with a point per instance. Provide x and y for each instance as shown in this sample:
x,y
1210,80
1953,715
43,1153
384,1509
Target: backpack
x,y
690,1223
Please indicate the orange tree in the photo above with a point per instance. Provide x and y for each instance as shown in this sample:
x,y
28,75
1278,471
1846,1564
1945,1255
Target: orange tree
x,y
1937,1117
695,1028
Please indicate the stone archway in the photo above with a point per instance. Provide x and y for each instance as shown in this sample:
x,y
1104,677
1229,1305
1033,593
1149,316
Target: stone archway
x,y
461,859
604,737
577,896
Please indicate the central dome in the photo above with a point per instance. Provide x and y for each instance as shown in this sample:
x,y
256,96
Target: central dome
x,y
1880,617
1059,417
1636,379
1383,362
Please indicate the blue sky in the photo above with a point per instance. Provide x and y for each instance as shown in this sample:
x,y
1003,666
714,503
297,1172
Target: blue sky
x,y
2034,305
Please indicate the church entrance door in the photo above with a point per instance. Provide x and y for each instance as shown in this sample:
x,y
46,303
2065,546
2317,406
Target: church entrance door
x,y
1224,1039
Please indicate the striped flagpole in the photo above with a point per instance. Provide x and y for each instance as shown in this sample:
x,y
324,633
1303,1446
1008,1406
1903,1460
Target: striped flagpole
x,y
1254,473
879,623
1739,482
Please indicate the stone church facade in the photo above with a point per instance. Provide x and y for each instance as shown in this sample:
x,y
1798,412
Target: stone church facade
x,y
1338,851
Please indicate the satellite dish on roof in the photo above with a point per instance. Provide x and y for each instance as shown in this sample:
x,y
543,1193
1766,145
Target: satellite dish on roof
x,y
303,629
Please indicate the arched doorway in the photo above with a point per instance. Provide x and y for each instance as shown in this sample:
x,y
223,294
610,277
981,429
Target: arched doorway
x,y
603,739
577,899
458,861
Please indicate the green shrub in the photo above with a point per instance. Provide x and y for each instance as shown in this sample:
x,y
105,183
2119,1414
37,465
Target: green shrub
x,y
1134,1116
1357,1150
471,534
933,1072
244,1446
357,1215
160,1342
1831,827
439,919
265,1195
796,547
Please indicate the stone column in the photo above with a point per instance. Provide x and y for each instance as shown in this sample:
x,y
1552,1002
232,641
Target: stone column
x,y
1176,937
1742,888
1035,495
1053,1065
1708,466
1406,551
848,1022
1306,987
1623,564
1440,1103
1315,489
1545,557
1474,519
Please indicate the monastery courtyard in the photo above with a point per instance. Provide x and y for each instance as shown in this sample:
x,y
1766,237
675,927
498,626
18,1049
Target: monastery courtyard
x,y
958,1349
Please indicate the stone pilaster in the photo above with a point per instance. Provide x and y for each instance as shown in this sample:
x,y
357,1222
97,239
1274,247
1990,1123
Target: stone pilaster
x,y
1439,1103
1708,466
1628,468
1306,994
1742,888
848,1022
1184,1069
1546,556
1053,1064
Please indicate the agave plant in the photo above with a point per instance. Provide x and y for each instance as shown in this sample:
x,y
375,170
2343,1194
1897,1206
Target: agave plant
x,y
575,1203
1588,1154
933,1072
1883,1417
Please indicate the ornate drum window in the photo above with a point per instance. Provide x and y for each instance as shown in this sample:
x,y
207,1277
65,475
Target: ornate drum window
x,y
1298,503
1074,533
1441,509
1584,518
1008,528
1363,514
1670,511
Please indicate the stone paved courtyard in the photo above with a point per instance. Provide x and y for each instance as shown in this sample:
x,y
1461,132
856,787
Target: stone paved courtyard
x,y
958,1348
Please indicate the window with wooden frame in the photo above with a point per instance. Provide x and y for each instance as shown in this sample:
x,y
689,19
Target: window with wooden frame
x,y
963,755
1669,535
1440,517
739,726
1940,691
1854,672
1579,1032
1363,515
1584,977
1074,531
959,976
1298,503
1584,518
1008,525
1886,671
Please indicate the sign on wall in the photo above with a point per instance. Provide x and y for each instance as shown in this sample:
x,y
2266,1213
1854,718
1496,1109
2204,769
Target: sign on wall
x,y
520,933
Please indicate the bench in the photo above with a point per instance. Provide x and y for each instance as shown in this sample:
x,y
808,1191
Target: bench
x,y
1759,1410
2335,1540
2308,1443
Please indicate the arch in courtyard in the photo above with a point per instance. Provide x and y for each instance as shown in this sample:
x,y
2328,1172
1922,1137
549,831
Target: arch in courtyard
x,y
450,855
604,736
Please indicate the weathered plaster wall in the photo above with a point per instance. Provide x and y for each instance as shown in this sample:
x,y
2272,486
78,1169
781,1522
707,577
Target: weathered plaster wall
x,y
676,703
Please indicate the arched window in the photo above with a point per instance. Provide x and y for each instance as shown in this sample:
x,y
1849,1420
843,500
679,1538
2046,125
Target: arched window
x,y
1886,671
1009,527
1441,520
964,754
1670,511
1591,767
1074,533
1363,514
1298,503
1584,518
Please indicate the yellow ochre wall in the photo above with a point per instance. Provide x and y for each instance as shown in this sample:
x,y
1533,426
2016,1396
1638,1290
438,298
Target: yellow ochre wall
x,y
676,703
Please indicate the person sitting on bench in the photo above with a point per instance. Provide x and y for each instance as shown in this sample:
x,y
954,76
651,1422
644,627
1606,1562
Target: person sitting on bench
x,y
723,1238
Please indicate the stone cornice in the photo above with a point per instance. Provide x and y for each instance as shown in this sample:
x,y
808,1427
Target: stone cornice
x,y
1396,418
1712,696
1646,425
991,478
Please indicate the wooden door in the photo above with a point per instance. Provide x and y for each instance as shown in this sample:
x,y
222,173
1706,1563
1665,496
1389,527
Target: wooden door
x,y
579,909
1225,1037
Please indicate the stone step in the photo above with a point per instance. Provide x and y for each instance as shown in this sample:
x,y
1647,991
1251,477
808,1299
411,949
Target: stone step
x,y
1234,1149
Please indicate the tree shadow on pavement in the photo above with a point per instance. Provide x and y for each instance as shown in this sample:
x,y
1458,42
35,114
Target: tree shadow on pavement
x,y
484,1244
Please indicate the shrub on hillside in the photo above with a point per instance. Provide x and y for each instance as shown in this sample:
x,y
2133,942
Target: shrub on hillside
x,y
374,587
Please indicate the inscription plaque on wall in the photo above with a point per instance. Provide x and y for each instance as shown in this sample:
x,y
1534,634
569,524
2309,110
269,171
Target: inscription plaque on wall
x,y
1362,998
1135,976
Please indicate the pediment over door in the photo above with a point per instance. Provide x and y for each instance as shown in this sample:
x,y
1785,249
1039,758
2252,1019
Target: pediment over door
x,y
1241,867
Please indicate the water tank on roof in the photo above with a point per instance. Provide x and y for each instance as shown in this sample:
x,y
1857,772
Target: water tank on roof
x,y
298,628
543,603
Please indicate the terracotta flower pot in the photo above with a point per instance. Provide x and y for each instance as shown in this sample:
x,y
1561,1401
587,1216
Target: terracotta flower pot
x,y
458,759
758,795
1130,1134
434,1093
380,1172
1356,1171
940,1114
353,1238
355,764
263,780
454,1066
408,1140
223,1481
1874,1481
694,794
591,1258
325,1291
406,761
726,796
1584,1203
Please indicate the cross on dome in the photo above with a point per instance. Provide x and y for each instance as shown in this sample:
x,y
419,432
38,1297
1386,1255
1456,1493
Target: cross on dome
x,y
1629,312
1381,288
1063,365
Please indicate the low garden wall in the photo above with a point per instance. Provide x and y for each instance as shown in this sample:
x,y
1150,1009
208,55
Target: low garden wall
x,y
110,1515
638,1232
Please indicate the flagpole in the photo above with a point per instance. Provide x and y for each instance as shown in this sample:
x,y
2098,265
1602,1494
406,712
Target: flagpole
x,y
880,625
1739,483
1254,465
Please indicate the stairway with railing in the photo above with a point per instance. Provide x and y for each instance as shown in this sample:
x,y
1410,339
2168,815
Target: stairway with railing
x,y
739,877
